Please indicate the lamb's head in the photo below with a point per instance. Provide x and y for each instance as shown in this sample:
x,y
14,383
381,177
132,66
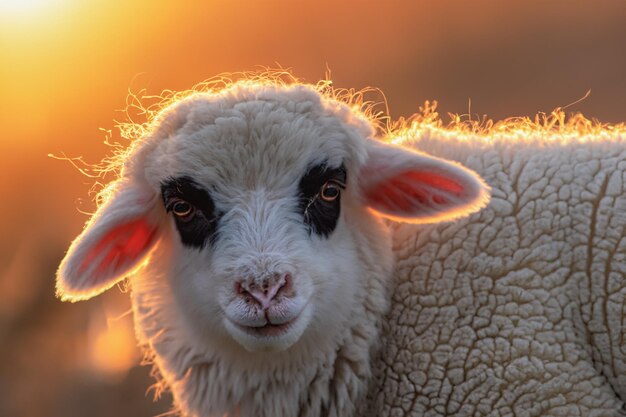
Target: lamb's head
x,y
251,218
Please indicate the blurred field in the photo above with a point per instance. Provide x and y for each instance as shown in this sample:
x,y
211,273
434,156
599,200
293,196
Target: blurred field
x,y
65,71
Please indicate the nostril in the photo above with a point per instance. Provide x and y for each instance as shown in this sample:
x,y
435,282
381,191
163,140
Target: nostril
x,y
285,284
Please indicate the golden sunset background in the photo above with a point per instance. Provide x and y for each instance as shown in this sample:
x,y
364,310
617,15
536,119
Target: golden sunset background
x,y
66,70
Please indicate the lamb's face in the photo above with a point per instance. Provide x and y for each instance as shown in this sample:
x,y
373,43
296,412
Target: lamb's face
x,y
256,195
261,206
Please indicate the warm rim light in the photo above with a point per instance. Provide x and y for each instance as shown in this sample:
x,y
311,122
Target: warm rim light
x,y
368,103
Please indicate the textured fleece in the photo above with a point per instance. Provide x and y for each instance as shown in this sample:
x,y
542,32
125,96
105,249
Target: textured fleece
x,y
518,310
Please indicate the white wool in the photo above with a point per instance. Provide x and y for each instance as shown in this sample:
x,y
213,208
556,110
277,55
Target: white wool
x,y
519,309
209,372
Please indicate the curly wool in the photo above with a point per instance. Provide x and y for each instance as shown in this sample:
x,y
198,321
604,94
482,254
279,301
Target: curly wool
x,y
520,308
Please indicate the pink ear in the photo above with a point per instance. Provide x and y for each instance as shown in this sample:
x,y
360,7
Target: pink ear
x,y
115,240
414,187
121,246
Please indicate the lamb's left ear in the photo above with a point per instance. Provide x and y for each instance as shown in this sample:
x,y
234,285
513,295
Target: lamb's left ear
x,y
413,187
115,240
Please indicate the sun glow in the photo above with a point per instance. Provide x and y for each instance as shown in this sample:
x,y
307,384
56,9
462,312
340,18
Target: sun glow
x,y
24,7
111,346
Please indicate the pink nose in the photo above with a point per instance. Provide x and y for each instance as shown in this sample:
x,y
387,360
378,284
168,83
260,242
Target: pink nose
x,y
266,291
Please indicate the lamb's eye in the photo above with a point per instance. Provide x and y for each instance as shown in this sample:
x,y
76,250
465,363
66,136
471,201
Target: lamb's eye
x,y
182,209
330,191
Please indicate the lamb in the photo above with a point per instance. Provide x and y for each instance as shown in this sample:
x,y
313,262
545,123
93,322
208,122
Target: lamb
x,y
260,271
516,309
249,221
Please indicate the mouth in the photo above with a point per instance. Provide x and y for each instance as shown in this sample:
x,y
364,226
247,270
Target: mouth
x,y
269,334
267,330
273,330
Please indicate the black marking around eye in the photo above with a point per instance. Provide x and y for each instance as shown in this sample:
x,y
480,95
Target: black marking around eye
x,y
321,216
201,225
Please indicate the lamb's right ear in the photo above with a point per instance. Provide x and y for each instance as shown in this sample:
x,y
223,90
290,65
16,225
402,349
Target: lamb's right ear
x,y
414,187
115,240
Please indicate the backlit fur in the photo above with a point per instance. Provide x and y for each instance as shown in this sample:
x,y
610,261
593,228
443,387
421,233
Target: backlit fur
x,y
248,145
327,370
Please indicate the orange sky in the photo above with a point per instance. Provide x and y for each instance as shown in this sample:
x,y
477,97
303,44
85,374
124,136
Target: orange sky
x,y
66,67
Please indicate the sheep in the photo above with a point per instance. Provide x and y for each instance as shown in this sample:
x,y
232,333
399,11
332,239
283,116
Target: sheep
x,y
249,221
446,306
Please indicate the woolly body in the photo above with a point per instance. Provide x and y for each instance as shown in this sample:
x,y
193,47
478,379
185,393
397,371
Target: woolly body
x,y
519,309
